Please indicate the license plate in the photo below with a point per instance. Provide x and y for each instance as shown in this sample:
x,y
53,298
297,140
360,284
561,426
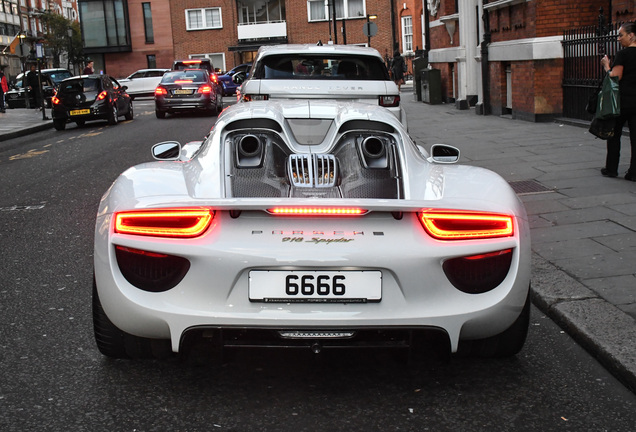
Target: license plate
x,y
315,286
181,91
80,112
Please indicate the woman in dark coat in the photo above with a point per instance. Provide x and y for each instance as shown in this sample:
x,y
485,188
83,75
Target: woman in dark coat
x,y
398,67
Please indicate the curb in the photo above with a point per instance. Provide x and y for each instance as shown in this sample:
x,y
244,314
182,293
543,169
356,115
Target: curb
x,y
26,131
604,330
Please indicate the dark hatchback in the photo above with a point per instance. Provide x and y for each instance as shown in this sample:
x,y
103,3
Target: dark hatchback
x,y
16,98
90,97
188,90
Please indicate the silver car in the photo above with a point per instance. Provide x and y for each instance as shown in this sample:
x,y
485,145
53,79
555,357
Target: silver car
x,y
334,72
143,82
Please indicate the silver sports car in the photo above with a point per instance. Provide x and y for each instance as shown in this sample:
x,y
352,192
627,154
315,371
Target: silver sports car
x,y
312,224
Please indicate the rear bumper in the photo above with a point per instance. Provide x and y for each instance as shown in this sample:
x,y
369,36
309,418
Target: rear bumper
x,y
183,104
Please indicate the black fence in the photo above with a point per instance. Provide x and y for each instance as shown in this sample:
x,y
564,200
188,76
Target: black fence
x,y
583,49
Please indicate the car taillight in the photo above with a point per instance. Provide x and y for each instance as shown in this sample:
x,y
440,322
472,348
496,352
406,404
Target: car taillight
x,y
160,91
478,274
389,101
205,89
180,223
150,271
183,81
55,100
465,225
103,95
214,78
317,211
249,98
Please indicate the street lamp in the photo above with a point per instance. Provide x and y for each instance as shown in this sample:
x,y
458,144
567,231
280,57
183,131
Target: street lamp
x,y
368,28
70,43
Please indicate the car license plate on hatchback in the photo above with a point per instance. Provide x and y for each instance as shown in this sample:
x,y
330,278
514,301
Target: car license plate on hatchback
x,y
315,286
80,112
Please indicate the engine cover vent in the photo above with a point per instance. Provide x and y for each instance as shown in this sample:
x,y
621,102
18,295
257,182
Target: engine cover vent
x,y
312,170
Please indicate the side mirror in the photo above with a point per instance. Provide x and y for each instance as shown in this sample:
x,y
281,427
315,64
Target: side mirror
x,y
166,151
444,154
124,88
238,78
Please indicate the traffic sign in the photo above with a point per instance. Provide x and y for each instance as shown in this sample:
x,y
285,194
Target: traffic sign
x,y
370,29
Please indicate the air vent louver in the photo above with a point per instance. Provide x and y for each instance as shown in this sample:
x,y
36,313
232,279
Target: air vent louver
x,y
312,171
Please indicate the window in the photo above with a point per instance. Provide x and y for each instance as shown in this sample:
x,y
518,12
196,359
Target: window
x,y
407,33
318,10
259,12
152,62
150,35
104,25
200,19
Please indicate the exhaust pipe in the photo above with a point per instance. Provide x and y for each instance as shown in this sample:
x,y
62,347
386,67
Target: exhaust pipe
x,y
374,153
249,152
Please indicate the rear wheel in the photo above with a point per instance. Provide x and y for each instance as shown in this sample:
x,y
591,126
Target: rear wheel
x,y
113,118
80,123
505,344
59,124
115,343
130,114
160,114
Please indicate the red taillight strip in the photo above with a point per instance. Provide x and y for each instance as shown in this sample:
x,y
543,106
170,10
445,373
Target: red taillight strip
x,y
181,223
55,100
183,81
102,95
317,211
464,225
205,89
161,91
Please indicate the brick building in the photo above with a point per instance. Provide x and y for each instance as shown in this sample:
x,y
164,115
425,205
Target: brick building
x,y
523,66
229,32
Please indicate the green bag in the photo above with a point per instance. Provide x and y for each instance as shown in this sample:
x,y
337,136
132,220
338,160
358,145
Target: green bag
x,y
609,99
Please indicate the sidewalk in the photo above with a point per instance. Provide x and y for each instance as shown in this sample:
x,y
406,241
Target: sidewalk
x,y
22,121
583,224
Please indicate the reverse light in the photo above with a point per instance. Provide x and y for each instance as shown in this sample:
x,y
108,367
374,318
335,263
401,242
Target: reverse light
x,y
389,101
160,91
465,225
317,211
179,223
103,95
205,89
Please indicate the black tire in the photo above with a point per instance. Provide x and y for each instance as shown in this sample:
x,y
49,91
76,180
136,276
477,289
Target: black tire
x,y
80,123
115,343
160,114
113,116
130,114
59,124
505,344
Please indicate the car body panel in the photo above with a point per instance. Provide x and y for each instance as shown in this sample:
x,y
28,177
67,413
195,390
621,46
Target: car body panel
x,y
245,236
229,86
143,82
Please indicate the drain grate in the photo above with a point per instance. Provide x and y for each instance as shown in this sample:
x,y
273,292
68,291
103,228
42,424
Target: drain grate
x,y
527,187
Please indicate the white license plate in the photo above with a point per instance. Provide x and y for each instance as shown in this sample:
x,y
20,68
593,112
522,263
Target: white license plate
x,y
183,92
315,286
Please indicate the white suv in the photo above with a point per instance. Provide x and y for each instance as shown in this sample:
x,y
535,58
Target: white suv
x,y
322,72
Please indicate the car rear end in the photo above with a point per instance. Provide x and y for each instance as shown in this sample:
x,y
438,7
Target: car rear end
x,y
185,90
81,99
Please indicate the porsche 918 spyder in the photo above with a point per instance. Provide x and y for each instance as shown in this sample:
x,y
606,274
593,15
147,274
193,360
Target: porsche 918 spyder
x,y
313,224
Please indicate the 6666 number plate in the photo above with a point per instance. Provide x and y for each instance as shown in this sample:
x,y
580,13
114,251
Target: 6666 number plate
x,y
315,286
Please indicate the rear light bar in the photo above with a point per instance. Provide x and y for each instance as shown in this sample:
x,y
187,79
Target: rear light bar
x,y
466,225
160,91
171,222
191,61
183,81
317,211
249,98
389,101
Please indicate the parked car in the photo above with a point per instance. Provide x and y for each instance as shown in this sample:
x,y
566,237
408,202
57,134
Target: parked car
x,y
322,72
188,90
143,82
315,224
203,63
229,86
16,98
90,97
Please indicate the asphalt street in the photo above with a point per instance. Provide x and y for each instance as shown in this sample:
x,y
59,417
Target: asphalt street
x,y
583,224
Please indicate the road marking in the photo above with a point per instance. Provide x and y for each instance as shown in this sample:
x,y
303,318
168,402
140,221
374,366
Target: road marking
x,y
29,154
22,207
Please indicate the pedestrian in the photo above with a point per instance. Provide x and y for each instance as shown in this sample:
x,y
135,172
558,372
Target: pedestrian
x,y
4,87
623,67
398,68
33,87
88,70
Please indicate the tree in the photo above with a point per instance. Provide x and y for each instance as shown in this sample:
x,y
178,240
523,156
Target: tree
x,y
58,41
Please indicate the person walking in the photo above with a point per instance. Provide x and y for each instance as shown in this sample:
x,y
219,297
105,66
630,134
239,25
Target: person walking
x,y
88,70
398,67
4,87
33,86
623,67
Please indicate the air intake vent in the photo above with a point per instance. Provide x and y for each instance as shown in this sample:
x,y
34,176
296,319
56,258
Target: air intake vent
x,y
312,171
